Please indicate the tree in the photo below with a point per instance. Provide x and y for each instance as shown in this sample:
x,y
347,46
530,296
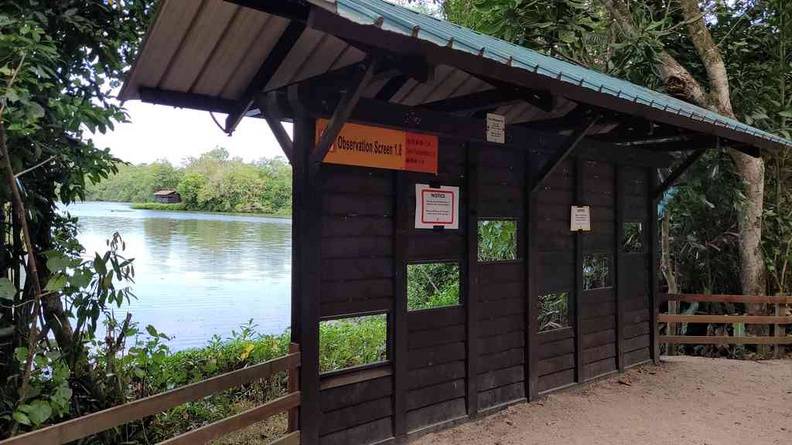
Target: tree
x,y
665,44
59,62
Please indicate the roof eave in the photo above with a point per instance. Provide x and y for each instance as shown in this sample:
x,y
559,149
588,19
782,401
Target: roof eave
x,y
372,35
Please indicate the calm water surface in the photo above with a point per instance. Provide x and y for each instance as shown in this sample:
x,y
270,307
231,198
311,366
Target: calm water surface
x,y
198,274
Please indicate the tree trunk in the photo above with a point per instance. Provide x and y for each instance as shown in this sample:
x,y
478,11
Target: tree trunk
x,y
752,274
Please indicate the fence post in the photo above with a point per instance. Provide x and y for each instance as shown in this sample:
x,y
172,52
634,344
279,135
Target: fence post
x,y
780,330
294,386
673,309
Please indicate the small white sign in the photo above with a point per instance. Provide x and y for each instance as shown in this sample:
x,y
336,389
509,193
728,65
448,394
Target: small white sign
x,y
436,207
496,128
581,219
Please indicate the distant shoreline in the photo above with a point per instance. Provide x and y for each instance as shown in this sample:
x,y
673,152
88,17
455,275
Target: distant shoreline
x,y
179,207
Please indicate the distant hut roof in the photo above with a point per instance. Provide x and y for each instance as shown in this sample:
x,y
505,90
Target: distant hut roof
x,y
164,192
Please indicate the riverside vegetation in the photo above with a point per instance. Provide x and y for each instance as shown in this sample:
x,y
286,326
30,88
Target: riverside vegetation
x,y
212,182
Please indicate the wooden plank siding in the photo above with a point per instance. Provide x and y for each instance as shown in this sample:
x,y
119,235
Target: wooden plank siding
x,y
450,363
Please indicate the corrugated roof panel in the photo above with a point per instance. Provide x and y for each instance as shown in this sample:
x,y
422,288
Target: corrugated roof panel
x,y
439,32
230,52
419,94
323,57
300,54
443,91
169,30
204,35
351,55
260,47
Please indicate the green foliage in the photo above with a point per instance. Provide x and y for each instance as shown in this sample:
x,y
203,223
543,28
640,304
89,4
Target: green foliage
x,y
60,62
211,182
354,341
432,285
633,239
497,240
571,29
596,271
703,211
553,311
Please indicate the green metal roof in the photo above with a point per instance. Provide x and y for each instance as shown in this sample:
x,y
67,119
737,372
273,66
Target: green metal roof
x,y
404,21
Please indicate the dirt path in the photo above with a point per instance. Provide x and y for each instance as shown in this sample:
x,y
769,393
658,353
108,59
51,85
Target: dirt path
x,y
686,400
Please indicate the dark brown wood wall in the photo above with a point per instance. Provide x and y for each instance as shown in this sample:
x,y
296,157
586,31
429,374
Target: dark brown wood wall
x,y
357,277
436,338
455,362
555,272
501,307
635,280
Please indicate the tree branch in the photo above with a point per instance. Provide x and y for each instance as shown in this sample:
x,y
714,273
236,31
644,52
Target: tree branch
x,y
710,56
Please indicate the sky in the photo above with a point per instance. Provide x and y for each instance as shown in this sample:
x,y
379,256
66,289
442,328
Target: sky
x,y
162,132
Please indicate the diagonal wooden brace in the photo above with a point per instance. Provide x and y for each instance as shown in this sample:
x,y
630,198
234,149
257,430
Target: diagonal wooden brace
x,y
266,104
342,112
569,145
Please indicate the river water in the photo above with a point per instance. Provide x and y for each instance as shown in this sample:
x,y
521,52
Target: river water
x,y
197,274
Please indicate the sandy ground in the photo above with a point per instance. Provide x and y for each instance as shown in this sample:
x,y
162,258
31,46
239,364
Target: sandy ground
x,y
685,400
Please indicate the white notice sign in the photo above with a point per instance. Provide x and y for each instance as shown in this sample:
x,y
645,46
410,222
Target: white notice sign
x,y
436,207
496,128
581,219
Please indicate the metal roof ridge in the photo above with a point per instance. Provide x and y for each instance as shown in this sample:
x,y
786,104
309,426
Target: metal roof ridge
x,y
438,31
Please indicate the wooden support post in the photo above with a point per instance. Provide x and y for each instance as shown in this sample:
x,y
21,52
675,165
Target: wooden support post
x,y
530,263
779,330
578,301
472,279
400,350
294,386
619,287
308,234
653,264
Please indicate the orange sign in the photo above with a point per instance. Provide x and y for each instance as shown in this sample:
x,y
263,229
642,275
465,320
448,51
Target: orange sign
x,y
378,147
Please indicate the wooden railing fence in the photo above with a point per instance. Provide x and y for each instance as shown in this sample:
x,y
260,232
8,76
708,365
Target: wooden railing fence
x,y
97,422
779,320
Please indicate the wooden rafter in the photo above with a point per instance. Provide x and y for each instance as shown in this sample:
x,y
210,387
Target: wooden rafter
x,y
265,72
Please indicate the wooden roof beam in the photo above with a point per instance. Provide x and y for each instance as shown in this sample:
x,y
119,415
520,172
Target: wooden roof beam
x,y
186,100
470,103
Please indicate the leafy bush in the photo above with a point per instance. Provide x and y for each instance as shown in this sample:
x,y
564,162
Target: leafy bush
x,y
432,285
158,206
497,240
350,342
553,311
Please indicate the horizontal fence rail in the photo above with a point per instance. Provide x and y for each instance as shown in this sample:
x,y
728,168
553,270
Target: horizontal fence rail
x,y
779,320
97,422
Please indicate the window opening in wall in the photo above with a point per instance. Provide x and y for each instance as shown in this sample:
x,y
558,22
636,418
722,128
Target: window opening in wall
x,y
353,341
497,239
431,285
596,271
554,311
632,240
